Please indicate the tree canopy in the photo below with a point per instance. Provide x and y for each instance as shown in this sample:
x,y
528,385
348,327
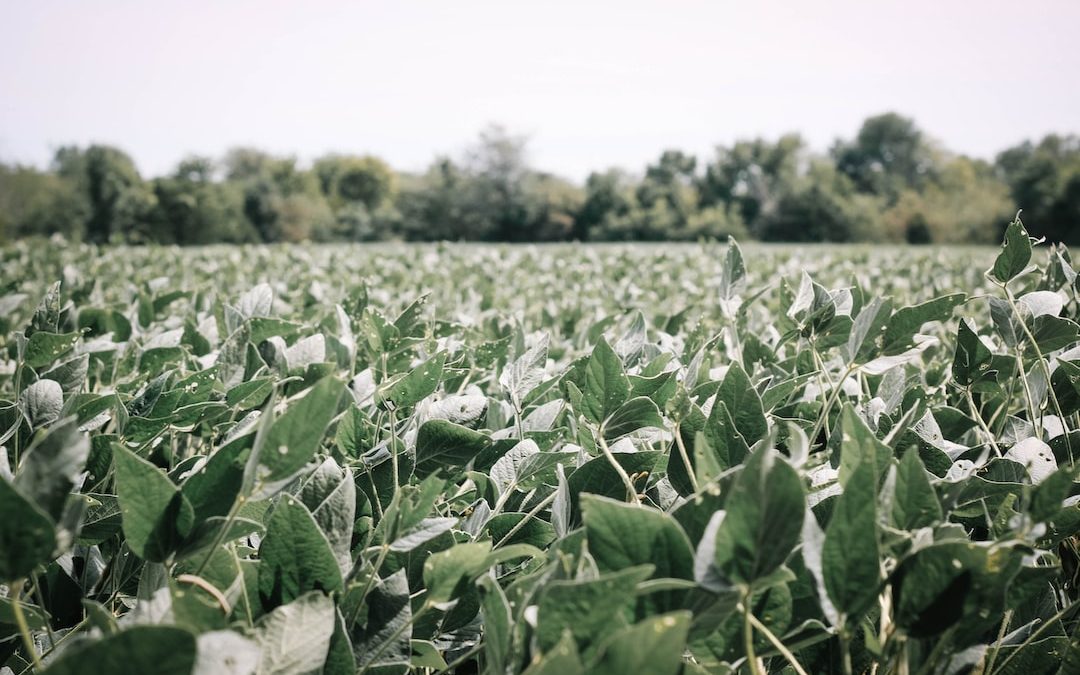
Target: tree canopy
x,y
891,182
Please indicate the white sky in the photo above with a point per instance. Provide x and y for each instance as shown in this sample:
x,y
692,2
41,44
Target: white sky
x,y
593,84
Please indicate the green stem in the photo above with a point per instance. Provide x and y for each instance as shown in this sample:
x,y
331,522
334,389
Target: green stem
x,y
996,649
845,647
220,536
463,658
685,457
521,523
1045,368
830,403
383,551
1031,638
748,639
610,456
393,636
20,621
979,419
775,641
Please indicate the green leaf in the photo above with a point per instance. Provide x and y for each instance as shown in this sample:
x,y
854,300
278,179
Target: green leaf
x,y
850,555
293,438
907,321
1015,253
972,358
597,476
742,401
915,504
589,609
43,348
498,625
446,572
868,325
950,583
606,386
857,445
636,413
27,536
763,520
52,465
162,650
621,535
295,638
385,638
562,659
155,515
226,652
654,646
443,444
415,385
295,556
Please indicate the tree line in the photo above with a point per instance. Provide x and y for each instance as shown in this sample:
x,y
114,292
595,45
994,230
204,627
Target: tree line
x,y
889,183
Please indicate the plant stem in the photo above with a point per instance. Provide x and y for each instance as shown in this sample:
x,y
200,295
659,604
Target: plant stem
x,y
220,536
685,457
830,403
393,636
979,419
521,523
630,490
784,651
472,651
845,647
748,638
996,649
1031,638
1045,368
20,621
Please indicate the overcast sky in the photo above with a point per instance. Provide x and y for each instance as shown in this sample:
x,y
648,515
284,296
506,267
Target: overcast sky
x,y
593,84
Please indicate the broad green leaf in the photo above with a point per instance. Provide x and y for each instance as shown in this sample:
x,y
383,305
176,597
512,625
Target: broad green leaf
x,y
295,556
43,348
653,646
445,573
52,465
850,555
914,504
857,445
293,438
225,652
385,639
498,625
523,375
27,536
295,638
621,535
589,609
162,650
417,384
1015,253
597,476
562,659
155,515
951,583
907,321
744,404
443,444
972,358
634,414
763,519
606,386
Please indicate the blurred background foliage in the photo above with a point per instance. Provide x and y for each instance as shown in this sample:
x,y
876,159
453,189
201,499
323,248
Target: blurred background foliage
x,y
890,183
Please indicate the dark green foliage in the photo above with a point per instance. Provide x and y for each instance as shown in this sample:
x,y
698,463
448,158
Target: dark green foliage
x,y
572,459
